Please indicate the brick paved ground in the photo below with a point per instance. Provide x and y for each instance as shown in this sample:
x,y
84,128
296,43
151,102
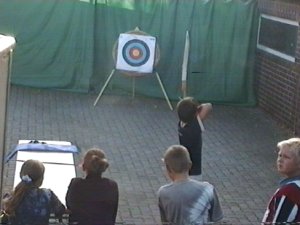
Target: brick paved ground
x,y
238,159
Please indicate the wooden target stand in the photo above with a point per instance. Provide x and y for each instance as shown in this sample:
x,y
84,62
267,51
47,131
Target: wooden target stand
x,y
133,74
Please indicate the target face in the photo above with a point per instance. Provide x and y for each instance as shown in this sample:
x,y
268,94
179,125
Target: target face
x,y
136,53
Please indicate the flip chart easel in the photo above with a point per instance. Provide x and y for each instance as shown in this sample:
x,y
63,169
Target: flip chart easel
x,y
54,160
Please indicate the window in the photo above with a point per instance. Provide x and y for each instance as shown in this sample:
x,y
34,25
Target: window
x,y
278,36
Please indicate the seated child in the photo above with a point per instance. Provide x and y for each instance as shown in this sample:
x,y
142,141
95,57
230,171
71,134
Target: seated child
x,y
93,200
284,206
190,128
186,201
29,204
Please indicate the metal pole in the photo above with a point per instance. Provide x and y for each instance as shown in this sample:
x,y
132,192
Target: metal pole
x,y
163,90
104,86
6,89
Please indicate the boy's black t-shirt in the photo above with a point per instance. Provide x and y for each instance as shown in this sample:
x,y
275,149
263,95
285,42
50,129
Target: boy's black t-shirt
x,y
190,136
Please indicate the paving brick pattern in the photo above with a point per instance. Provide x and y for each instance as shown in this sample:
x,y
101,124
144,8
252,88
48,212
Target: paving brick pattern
x,y
238,152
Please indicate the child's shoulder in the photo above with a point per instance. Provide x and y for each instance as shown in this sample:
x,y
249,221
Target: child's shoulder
x,y
202,185
194,121
41,192
166,186
290,186
76,180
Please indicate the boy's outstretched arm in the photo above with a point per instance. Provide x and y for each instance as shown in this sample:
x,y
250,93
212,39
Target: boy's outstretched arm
x,y
204,110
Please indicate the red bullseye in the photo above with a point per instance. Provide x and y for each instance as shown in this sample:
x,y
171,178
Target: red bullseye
x,y
136,53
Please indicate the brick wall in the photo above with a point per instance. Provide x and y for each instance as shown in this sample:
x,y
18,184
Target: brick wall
x,y
278,80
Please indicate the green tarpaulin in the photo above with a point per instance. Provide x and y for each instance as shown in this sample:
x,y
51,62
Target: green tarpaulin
x,y
67,44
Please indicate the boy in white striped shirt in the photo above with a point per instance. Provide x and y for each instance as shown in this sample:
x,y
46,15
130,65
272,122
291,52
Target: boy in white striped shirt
x,y
186,201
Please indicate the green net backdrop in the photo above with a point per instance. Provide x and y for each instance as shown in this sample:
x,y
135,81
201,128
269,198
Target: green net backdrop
x,y
67,44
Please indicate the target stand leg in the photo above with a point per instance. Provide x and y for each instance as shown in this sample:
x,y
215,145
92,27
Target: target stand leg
x,y
133,87
104,86
163,90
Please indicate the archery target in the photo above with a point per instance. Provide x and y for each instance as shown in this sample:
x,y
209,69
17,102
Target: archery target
x,y
136,53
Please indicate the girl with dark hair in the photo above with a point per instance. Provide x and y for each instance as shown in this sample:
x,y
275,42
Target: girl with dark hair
x,y
29,204
93,200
